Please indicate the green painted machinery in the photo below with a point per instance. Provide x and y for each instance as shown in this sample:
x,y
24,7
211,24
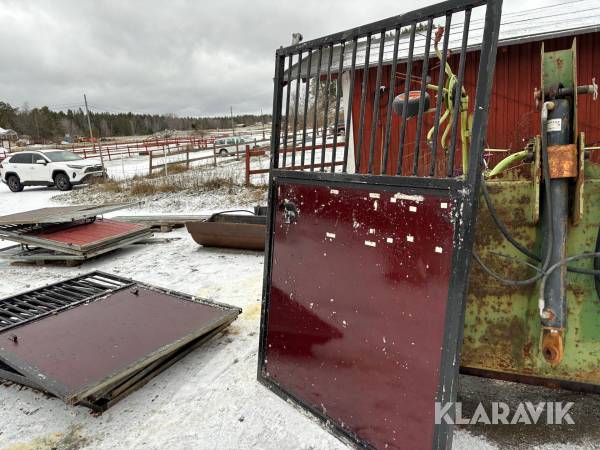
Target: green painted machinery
x,y
527,333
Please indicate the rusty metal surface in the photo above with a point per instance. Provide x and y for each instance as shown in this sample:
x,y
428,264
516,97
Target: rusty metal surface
x,y
357,307
502,334
82,239
536,179
60,214
89,235
19,253
578,204
553,345
79,353
563,161
249,236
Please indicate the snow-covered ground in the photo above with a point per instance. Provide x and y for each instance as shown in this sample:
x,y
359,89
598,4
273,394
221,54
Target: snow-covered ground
x,y
211,399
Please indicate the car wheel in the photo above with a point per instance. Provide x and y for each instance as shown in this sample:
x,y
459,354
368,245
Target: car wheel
x,y
61,180
223,152
14,184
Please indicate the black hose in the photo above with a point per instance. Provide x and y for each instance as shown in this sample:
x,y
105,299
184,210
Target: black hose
x,y
504,230
221,213
563,262
549,240
502,227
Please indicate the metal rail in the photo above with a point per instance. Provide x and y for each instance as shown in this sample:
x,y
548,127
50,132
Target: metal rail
x,y
37,303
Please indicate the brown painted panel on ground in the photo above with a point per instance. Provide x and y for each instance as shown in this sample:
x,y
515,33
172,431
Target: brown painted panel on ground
x,y
357,307
90,234
83,346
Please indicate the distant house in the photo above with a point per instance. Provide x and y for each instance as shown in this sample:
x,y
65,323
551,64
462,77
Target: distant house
x,y
8,138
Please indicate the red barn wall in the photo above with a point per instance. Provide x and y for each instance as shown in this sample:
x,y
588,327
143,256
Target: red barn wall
x,y
513,118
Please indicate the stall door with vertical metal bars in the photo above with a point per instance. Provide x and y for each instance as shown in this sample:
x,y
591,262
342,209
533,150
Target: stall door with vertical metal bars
x,y
375,169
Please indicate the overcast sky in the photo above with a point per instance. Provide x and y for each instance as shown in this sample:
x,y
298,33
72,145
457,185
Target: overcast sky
x,y
184,57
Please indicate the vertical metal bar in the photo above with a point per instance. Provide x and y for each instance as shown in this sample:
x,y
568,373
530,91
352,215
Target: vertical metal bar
x,y
315,126
465,234
316,107
363,101
276,128
409,61
417,149
348,112
338,96
272,207
391,90
458,92
440,96
326,111
375,117
306,101
275,133
287,109
296,101
487,64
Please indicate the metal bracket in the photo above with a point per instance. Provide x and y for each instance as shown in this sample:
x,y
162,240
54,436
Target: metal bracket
x,y
536,178
577,212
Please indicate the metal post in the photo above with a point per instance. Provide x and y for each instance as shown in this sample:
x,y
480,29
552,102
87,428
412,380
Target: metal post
x,y
165,157
247,165
87,113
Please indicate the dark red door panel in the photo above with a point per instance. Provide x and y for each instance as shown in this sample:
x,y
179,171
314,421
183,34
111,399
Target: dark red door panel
x,y
357,304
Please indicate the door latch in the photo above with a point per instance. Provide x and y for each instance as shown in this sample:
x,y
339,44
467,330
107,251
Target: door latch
x,y
290,212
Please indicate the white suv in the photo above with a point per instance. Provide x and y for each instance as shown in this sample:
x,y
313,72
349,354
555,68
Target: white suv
x,y
58,168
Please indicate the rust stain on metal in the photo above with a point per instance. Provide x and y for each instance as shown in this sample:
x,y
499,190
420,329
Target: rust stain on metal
x,y
559,63
563,161
552,346
89,234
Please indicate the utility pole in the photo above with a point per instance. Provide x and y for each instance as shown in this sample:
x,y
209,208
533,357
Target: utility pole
x,y
237,149
262,121
87,113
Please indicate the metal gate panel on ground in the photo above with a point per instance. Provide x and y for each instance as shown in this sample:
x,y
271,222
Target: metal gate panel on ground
x,y
61,214
78,240
89,235
365,274
95,338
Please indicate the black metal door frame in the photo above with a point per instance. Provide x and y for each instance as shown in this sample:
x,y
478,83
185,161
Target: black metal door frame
x,y
464,189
